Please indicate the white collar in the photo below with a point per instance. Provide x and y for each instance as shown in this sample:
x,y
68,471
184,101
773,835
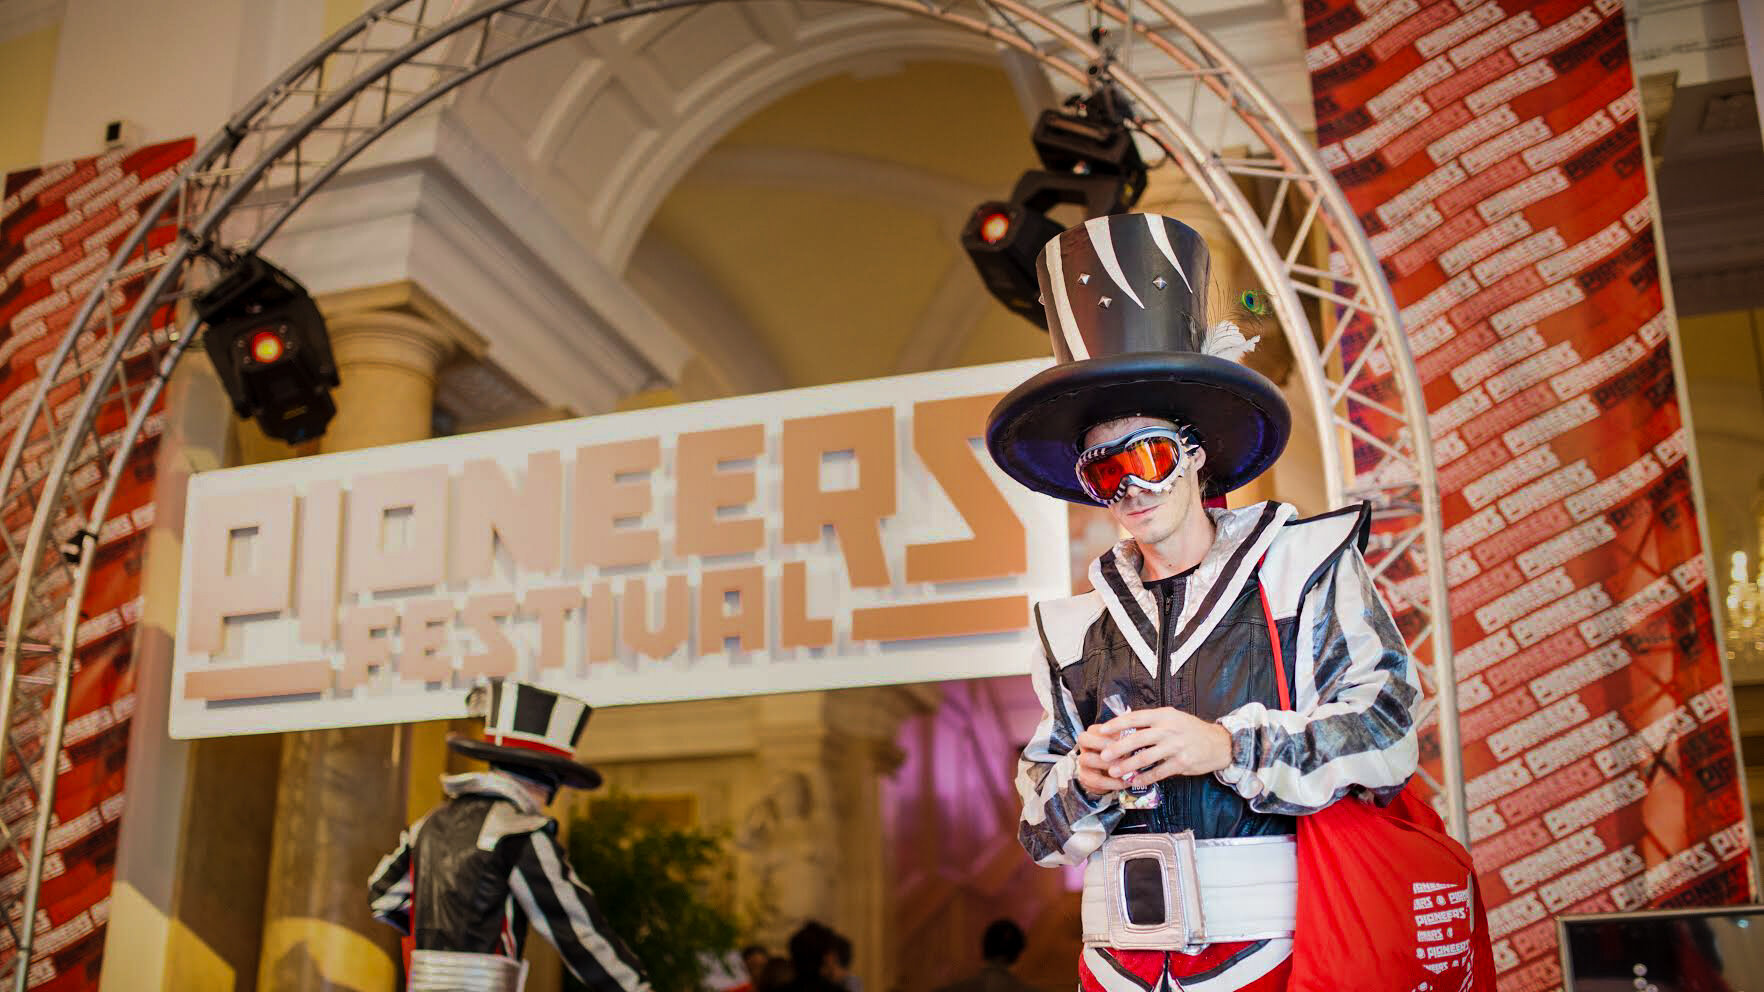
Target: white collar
x,y
1240,539
491,783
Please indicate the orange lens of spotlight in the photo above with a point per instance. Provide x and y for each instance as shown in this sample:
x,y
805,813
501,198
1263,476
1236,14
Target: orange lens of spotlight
x,y
994,228
266,347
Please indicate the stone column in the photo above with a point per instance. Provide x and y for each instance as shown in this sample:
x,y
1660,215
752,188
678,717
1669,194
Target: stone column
x,y
388,360
343,794
864,751
192,847
814,833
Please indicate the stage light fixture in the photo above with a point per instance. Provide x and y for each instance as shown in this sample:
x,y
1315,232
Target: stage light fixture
x,y
268,343
1089,160
994,226
266,347
1003,239
1091,137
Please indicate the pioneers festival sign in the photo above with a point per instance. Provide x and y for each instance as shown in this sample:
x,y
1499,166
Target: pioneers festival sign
x,y
821,538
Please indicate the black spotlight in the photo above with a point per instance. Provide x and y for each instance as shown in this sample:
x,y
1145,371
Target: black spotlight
x,y
1090,161
268,342
1003,239
1090,137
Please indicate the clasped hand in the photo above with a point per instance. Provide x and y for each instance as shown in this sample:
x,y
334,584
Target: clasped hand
x,y
1165,742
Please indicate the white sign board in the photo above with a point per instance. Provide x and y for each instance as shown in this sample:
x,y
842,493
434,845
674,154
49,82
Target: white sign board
x,y
820,538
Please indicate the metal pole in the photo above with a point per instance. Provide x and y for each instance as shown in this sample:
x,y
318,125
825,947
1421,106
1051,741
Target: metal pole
x,y
1717,611
49,773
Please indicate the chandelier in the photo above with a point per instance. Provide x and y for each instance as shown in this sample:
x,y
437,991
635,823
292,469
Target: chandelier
x,y
1745,614
1745,594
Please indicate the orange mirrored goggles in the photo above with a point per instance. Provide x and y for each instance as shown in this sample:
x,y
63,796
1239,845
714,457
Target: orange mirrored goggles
x,y
1151,457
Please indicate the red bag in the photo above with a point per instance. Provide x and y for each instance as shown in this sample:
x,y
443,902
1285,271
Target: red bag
x,y
1387,899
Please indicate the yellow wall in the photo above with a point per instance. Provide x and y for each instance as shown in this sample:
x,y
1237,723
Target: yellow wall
x,y
341,12
27,65
1726,389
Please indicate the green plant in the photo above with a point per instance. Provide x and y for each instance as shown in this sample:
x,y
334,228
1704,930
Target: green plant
x,y
654,883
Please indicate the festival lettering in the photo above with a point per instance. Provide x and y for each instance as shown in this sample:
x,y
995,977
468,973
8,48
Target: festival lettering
x,y
645,548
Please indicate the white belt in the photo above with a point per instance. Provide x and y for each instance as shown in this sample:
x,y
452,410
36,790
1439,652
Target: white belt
x,y
459,971
1171,892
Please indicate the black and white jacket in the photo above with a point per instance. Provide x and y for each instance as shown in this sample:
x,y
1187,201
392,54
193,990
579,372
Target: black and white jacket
x,y
1352,683
473,873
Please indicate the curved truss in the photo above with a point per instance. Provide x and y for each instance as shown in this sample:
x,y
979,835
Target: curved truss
x,y
1306,248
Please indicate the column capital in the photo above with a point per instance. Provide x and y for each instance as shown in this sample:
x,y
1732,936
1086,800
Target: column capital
x,y
390,343
397,325
392,339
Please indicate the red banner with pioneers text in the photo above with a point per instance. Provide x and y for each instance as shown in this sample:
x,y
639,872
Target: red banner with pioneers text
x,y
59,225
1492,149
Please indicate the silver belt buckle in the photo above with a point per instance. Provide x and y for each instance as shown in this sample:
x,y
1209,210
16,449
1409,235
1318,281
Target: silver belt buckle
x,y
1152,892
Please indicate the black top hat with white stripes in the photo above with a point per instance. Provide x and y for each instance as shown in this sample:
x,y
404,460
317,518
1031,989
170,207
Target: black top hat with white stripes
x,y
1126,300
530,727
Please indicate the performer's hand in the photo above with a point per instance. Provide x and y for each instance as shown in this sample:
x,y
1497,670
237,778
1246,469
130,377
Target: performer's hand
x,y
1093,769
1166,742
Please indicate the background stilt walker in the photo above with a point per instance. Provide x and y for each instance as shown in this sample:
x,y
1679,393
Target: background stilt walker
x,y
469,877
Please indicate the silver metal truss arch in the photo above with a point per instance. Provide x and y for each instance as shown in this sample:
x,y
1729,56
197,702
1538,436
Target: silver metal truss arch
x,y
1307,249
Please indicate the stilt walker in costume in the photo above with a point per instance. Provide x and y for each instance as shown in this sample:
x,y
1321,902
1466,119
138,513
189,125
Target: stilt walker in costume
x,y
1182,744
470,876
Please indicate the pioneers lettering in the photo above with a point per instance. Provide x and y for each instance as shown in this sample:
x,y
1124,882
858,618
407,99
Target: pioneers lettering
x,y
742,541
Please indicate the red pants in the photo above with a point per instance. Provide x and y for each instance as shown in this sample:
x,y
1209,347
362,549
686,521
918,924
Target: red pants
x,y
1222,967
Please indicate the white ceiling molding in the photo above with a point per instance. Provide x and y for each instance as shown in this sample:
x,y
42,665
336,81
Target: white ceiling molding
x,y
475,393
947,320
719,104
538,228
604,128
1701,40
732,351
1710,198
599,129
1034,91
429,208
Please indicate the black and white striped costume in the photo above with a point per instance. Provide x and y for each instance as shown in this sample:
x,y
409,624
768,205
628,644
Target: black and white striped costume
x,y
1353,687
472,874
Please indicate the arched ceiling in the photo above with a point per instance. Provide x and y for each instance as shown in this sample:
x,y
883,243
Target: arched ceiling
x,y
827,222
603,124
779,185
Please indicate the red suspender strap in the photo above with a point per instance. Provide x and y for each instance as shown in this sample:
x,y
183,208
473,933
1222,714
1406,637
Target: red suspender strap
x,y
1274,642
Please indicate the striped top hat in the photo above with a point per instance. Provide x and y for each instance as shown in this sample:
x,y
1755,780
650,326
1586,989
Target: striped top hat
x,y
530,727
1126,301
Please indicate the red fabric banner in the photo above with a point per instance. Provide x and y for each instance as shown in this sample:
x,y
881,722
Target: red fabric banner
x,y
59,225
1493,152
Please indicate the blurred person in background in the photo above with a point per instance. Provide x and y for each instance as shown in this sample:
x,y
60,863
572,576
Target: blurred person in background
x,y
1000,946
775,976
755,958
812,949
838,968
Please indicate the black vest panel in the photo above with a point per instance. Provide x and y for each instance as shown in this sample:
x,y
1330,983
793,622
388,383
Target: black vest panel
x,y
461,892
1233,666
